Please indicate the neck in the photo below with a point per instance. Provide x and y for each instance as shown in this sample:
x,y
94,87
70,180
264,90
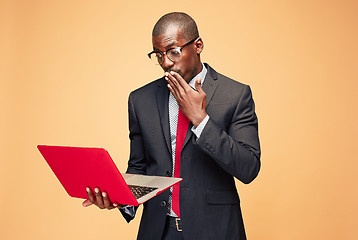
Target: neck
x,y
197,70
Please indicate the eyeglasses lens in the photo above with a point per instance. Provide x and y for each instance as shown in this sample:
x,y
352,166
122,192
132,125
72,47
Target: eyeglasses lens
x,y
174,55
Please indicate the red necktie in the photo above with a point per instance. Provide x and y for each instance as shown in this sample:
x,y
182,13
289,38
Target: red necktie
x,y
183,124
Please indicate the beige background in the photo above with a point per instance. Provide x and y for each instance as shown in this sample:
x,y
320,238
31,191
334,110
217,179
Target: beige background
x,y
67,68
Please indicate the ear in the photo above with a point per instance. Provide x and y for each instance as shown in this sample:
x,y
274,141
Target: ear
x,y
199,45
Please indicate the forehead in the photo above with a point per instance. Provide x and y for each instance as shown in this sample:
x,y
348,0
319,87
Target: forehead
x,y
172,36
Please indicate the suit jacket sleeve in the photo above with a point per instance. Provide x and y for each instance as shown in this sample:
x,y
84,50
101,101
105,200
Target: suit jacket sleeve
x,y
137,163
236,149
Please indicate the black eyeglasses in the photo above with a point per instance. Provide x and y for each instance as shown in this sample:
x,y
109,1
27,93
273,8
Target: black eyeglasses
x,y
174,54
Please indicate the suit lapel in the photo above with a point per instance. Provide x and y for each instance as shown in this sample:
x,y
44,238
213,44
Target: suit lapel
x,y
210,84
162,103
209,87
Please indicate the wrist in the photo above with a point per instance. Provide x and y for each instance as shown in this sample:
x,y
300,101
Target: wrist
x,y
198,119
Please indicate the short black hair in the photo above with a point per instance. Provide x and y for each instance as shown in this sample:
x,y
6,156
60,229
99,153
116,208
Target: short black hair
x,y
182,20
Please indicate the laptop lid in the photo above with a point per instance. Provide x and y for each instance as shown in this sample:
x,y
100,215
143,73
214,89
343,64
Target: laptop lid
x,y
79,167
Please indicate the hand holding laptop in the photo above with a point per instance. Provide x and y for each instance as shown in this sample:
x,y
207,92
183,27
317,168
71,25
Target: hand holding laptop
x,y
100,199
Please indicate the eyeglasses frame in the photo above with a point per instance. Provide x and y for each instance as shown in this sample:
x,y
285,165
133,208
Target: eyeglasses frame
x,y
177,48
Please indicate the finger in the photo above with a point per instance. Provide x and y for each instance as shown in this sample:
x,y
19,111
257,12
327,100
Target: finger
x,y
173,89
178,82
107,203
99,198
119,206
172,81
90,195
183,84
87,203
178,88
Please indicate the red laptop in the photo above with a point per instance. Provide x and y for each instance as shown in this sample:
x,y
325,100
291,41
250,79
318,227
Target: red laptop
x,y
80,167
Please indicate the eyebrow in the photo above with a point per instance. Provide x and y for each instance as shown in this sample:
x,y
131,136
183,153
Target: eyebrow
x,y
171,45
167,47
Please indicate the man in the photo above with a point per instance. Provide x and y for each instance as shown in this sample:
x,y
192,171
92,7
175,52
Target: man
x,y
210,140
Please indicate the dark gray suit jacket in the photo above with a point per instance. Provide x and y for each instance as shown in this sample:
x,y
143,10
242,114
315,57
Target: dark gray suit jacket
x,y
228,147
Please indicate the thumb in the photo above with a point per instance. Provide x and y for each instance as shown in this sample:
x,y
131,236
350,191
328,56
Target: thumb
x,y
86,203
198,85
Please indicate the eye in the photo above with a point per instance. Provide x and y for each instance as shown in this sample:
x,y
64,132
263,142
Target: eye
x,y
159,56
174,53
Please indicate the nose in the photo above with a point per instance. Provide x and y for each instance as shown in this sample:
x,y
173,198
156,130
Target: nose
x,y
167,63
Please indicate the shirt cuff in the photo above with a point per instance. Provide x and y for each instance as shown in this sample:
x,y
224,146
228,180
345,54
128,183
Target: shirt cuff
x,y
199,129
129,210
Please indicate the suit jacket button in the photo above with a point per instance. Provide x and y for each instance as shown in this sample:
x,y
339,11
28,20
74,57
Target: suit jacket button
x,y
163,203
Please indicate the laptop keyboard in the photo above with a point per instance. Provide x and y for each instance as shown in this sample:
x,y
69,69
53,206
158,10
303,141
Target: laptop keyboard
x,y
140,191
